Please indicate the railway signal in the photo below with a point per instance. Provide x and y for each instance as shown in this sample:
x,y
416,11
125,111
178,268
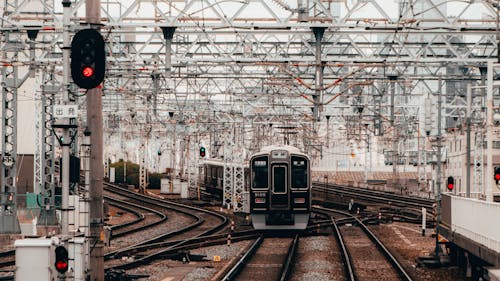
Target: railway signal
x,y
451,183
203,152
88,59
497,175
61,262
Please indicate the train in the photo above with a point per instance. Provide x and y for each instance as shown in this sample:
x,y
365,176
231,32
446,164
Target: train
x,y
280,188
278,180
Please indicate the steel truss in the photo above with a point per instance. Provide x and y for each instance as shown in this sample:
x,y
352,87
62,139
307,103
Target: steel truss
x,y
193,167
234,173
45,148
225,61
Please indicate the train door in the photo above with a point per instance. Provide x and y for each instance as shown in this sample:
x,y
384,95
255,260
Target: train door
x,y
279,187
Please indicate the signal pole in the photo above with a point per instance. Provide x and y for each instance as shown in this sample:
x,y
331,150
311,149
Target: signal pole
x,y
438,171
94,123
66,133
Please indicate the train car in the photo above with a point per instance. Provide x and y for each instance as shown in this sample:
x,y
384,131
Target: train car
x,y
213,170
213,175
280,188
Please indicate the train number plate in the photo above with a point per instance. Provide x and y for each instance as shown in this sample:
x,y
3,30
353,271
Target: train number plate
x,y
260,194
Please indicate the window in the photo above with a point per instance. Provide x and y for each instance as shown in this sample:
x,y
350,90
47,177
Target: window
x,y
495,144
299,172
279,179
259,172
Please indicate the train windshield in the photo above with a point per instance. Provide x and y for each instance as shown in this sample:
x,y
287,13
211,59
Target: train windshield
x,y
279,179
299,172
259,172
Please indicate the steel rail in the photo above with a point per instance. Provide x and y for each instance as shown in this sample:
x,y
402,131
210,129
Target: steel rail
x,y
161,215
375,196
235,270
392,260
167,204
348,263
286,269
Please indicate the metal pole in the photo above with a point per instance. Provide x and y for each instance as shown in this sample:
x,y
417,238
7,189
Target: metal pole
x,y
86,145
125,171
392,79
418,156
66,145
468,121
94,123
66,142
497,31
318,96
489,134
438,172
366,156
327,131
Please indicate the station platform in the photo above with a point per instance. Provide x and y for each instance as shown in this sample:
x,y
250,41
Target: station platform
x,y
469,235
494,274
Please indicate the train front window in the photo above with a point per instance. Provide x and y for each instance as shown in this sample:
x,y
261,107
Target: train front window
x,y
279,179
259,172
299,172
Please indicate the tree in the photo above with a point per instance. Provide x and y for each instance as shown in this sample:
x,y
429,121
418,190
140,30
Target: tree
x,y
132,172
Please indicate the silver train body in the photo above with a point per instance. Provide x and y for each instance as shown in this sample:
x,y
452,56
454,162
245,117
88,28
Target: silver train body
x,y
280,188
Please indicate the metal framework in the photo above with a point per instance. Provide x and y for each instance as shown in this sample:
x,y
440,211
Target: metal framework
x,y
45,150
216,63
143,170
8,211
228,173
192,167
234,171
478,162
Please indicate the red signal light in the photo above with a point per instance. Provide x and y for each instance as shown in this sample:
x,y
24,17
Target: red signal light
x,y
451,183
61,261
61,266
497,175
87,72
88,58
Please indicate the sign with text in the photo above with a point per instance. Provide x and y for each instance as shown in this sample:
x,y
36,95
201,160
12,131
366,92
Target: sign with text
x,y
65,111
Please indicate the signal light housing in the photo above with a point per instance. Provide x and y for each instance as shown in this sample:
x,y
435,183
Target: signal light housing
x,y
496,175
203,152
88,58
61,264
451,183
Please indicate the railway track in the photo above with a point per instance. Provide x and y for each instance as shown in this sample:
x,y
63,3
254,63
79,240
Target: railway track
x,y
365,256
268,258
372,196
389,205
7,258
140,223
144,252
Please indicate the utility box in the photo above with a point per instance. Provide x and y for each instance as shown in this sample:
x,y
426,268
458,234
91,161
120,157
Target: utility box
x,y
184,189
34,259
168,187
112,174
77,260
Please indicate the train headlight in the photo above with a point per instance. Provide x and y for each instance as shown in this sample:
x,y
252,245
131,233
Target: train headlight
x,y
299,200
260,200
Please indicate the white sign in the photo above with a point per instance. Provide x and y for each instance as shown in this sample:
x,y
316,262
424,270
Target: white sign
x,y
112,174
65,111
